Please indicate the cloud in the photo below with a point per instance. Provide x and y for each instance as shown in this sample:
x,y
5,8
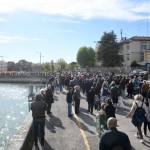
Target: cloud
x,y
84,9
10,39
69,21
3,20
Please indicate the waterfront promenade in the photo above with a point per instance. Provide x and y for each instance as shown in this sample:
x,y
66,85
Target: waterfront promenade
x,y
23,79
79,132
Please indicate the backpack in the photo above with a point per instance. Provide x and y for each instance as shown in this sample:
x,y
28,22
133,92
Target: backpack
x,y
139,115
105,92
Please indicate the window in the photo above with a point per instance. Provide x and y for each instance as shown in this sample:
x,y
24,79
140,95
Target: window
x,y
127,47
144,46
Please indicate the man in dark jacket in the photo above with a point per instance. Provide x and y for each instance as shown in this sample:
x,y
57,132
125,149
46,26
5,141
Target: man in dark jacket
x,y
49,98
77,98
38,113
90,99
69,98
113,138
114,93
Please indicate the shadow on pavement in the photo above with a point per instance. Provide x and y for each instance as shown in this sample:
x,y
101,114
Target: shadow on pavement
x,y
146,143
82,125
55,98
47,146
122,112
52,123
127,104
133,148
86,118
50,126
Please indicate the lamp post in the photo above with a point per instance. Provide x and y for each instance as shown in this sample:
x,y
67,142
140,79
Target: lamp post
x,y
40,67
40,62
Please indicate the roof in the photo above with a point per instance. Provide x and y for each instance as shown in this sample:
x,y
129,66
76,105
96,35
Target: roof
x,y
137,38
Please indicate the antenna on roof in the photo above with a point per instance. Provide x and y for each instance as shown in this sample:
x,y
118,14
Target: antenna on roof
x,y
147,16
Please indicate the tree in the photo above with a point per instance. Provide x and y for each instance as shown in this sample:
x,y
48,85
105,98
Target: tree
x,y
86,56
23,65
62,63
108,51
11,66
134,64
46,66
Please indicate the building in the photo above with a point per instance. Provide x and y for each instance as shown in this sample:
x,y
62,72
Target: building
x,y
3,65
97,63
136,49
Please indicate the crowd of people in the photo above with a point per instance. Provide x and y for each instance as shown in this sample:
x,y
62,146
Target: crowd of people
x,y
109,90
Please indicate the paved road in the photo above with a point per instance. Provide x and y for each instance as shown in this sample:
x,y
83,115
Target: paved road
x,y
79,132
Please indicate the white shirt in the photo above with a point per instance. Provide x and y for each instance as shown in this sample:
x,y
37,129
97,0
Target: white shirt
x,y
139,103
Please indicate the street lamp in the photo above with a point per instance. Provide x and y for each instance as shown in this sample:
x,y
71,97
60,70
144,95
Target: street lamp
x,y
40,62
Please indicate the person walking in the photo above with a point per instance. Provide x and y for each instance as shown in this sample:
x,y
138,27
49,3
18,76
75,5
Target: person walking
x,y
144,89
138,103
69,98
90,99
77,98
147,123
114,94
104,92
114,139
49,98
130,89
110,110
42,92
38,113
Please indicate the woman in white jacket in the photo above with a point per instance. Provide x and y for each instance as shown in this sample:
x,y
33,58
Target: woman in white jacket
x,y
138,102
104,92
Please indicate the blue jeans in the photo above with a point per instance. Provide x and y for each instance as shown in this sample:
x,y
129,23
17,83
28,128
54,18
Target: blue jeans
x,y
38,126
69,108
60,87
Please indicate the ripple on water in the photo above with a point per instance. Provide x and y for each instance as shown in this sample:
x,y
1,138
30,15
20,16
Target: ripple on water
x,y
14,109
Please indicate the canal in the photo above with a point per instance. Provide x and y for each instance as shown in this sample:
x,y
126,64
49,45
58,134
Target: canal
x,y
13,111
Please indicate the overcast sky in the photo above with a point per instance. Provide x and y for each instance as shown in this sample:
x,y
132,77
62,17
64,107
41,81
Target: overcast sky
x,y
58,28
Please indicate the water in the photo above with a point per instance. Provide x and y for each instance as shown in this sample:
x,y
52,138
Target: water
x,y
13,111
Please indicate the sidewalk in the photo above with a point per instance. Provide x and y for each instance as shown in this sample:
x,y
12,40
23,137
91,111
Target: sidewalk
x,y
64,133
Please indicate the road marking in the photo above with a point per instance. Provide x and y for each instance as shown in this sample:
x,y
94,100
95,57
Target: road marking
x,y
82,132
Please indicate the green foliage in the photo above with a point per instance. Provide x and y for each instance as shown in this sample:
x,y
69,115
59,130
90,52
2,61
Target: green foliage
x,y
62,63
11,66
46,66
134,64
86,56
108,51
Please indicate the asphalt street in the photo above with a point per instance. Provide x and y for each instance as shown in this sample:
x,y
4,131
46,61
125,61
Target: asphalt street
x,y
79,132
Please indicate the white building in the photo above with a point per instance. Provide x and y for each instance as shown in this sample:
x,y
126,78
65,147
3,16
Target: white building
x,y
135,49
3,66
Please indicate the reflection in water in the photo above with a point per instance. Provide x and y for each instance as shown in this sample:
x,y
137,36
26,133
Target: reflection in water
x,y
13,111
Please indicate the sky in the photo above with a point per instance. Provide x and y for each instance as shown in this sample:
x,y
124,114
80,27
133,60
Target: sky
x,y
58,28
